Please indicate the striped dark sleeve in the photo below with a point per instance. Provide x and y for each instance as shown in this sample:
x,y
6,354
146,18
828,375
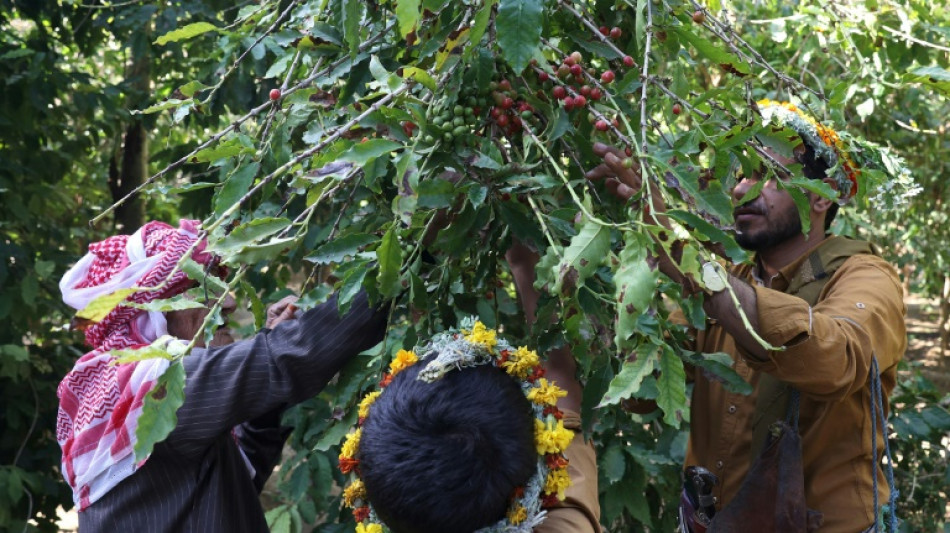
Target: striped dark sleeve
x,y
275,369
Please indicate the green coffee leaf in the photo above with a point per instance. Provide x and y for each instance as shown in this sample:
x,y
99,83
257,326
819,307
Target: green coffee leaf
x,y
159,410
103,305
613,464
225,149
175,303
712,51
635,284
196,272
627,382
587,251
156,350
934,77
435,193
236,186
362,153
711,233
407,14
482,18
718,367
672,388
518,24
187,32
338,249
389,255
249,233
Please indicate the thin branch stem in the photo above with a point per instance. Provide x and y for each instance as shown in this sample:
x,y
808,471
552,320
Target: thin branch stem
x,y
235,125
557,169
268,31
544,226
308,153
910,38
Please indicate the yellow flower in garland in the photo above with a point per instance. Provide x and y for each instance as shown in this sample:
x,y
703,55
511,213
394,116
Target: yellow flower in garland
x,y
482,336
557,482
517,515
521,363
369,528
367,402
403,360
355,491
352,445
551,436
546,393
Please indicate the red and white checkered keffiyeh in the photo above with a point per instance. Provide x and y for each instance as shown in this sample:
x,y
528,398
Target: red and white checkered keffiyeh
x,y
100,402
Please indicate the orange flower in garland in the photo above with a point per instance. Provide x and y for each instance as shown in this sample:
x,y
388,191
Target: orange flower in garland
x,y
824,140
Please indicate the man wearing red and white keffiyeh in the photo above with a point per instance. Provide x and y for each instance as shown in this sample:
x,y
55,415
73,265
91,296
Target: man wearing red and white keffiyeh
x,y
207,475
100,402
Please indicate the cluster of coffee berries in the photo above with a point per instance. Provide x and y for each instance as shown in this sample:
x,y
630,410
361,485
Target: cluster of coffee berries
x,y
510,109
449,122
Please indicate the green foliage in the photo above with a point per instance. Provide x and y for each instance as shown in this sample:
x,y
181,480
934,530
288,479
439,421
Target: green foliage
x,y
450,106
921,451
63,112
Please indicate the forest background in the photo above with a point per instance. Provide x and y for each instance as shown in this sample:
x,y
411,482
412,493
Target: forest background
x,y
231,112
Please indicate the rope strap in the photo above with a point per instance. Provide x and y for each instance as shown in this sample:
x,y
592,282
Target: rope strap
x,y
879,420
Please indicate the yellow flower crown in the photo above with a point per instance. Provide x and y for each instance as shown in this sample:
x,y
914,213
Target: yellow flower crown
x,y
824,140
471,345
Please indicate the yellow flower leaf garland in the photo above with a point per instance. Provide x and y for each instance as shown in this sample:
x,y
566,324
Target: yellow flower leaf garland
x,y
471,345
824,140
858,166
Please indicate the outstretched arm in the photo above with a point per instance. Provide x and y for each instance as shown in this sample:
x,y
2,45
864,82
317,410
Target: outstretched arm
x,y
580,510
275,369
560,366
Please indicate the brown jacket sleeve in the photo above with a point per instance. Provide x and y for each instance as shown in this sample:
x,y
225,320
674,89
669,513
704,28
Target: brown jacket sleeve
x,y
580,510
828,347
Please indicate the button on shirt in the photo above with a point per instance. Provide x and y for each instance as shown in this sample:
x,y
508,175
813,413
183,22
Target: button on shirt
x,y
827,357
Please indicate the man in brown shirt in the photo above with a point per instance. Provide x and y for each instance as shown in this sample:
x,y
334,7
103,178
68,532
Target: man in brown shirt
x,y
832,306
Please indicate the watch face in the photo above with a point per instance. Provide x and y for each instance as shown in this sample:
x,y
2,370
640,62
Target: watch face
x,y
714,277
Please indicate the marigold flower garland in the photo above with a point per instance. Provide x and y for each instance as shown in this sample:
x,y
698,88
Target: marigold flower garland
x,y
824,140
472,345
859,166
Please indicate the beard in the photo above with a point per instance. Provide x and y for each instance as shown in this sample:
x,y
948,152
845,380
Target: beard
x,y
779,228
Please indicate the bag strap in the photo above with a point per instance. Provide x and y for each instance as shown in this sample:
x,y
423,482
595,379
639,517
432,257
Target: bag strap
x,y
878,420
775,397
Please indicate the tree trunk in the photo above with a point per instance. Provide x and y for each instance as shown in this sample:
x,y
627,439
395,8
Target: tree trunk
x,y
908,271
128,168
943,325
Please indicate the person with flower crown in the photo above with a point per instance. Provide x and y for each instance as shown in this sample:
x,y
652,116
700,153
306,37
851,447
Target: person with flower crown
x,y
470,433
831,314
207,475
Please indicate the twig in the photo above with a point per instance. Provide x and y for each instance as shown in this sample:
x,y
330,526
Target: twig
x,y
236,124
268,31
719,28
644,76
275,105
308,153
915,40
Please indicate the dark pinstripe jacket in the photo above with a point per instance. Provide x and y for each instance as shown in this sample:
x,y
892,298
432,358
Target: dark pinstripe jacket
x,y
196,480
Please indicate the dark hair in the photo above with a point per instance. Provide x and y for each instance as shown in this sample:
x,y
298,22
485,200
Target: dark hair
x,y
447,456
814,167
